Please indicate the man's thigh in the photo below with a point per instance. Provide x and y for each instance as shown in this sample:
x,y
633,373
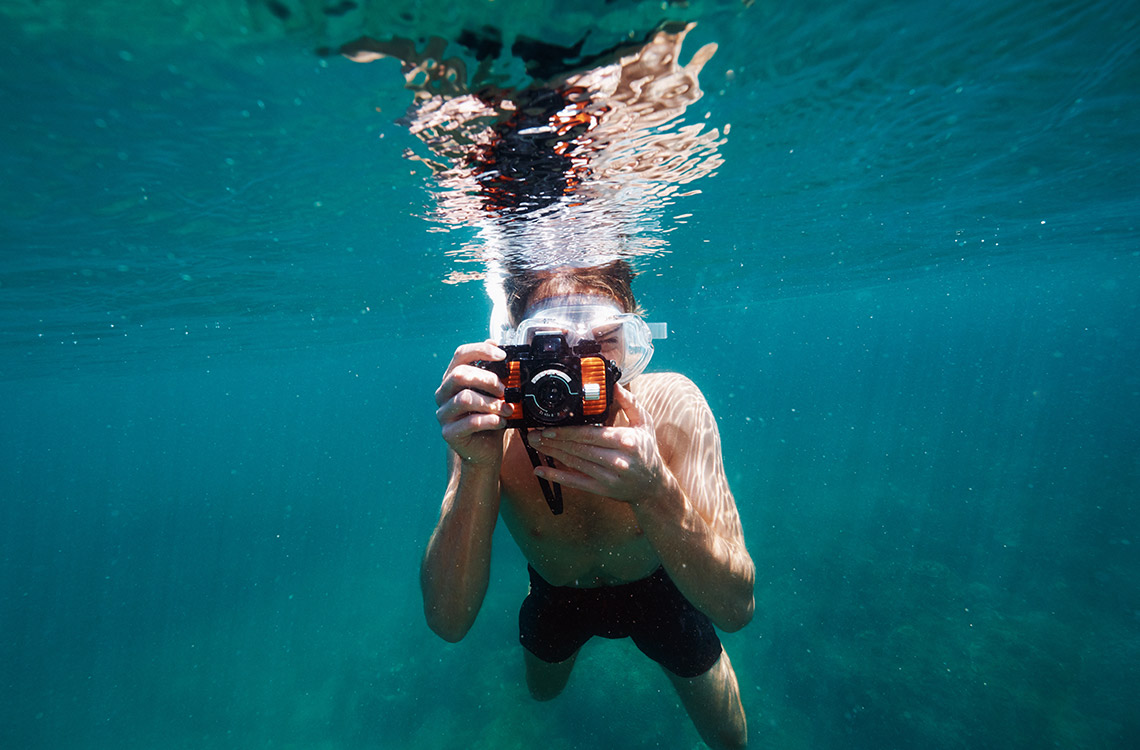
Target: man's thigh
x,y
544,679
713,703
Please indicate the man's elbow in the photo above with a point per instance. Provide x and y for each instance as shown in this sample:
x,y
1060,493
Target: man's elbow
x,y
741,604
738,616
447,626
448,613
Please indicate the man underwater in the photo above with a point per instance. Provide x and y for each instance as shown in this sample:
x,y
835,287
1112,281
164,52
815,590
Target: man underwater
x,y
649,545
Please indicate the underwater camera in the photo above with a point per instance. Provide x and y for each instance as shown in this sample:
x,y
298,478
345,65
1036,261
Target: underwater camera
x,y
549,383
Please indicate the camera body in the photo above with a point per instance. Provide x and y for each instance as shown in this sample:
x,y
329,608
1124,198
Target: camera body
x,y
550,383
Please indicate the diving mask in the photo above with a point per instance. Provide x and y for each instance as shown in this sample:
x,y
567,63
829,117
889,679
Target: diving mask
x,y
625,338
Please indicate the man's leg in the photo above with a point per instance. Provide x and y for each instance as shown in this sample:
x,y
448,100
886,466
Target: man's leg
x,y
713,703
544,679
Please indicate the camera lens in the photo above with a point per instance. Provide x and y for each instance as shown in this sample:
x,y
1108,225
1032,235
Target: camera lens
x,y
551,393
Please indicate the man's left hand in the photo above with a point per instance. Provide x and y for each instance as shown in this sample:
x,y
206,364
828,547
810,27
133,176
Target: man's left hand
x,y
622,463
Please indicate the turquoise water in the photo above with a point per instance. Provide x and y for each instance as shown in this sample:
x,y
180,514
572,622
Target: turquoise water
x,y
908,294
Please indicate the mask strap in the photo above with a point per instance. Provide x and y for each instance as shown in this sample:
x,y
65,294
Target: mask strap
x,y
552,492
500,322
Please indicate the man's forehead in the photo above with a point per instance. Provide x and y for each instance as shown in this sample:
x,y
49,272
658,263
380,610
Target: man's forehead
x,y
566,286
587,298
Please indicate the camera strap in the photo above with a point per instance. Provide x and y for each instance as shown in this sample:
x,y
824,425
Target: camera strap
x,y
552,491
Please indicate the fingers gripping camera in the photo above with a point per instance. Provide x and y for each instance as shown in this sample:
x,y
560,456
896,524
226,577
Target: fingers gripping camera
x,y
549,383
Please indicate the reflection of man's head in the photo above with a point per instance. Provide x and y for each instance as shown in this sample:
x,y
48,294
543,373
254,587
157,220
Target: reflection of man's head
x,y
571,167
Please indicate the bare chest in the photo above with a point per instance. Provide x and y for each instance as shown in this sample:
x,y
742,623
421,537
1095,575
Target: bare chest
x,y
594,541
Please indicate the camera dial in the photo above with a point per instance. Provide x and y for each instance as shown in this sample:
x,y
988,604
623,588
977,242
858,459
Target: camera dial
x,y
552,395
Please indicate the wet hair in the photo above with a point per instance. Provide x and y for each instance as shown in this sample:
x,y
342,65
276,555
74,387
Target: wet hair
x,y
613,279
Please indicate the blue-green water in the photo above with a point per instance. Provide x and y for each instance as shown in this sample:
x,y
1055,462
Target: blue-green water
x,y
909,295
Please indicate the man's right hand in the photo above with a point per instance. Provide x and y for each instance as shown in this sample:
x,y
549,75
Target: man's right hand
x,y
472,412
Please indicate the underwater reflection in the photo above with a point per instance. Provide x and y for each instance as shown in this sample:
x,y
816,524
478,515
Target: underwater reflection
x,y
574,169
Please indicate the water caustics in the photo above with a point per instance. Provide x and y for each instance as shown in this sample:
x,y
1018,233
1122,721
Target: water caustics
x,y
575,168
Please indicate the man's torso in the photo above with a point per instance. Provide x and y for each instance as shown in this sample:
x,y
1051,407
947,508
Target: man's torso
x,y
596,541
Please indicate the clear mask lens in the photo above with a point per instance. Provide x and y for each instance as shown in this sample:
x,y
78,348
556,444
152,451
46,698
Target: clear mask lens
x,y
625,338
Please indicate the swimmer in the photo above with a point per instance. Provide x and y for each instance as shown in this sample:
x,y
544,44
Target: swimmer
x,y
649,545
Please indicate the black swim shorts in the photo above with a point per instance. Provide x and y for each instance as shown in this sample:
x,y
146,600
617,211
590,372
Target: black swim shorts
x,y
555,621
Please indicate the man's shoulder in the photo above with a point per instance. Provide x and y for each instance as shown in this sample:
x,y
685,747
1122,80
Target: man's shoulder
x,y
670,397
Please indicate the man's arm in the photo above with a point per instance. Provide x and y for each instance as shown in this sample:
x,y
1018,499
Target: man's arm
x,y
672,475
456,564
692,520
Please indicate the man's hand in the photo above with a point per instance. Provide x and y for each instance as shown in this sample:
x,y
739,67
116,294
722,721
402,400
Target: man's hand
x,y
472,412
622,463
